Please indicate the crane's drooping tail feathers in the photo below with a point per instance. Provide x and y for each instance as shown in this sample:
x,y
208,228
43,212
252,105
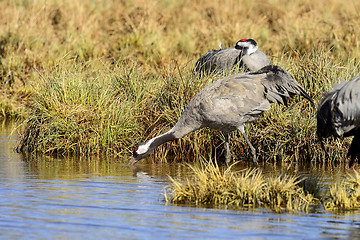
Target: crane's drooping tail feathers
x,y
281,85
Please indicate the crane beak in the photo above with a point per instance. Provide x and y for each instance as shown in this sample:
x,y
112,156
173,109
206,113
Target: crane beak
x,y
132,161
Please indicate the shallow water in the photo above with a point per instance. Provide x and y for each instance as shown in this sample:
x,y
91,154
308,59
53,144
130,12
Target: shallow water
x,y
47,198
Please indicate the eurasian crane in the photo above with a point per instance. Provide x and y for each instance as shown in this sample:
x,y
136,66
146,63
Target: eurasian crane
x,y
229,104
244,54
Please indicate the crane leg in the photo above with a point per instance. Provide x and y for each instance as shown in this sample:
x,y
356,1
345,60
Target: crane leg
x,y
253,151
227,148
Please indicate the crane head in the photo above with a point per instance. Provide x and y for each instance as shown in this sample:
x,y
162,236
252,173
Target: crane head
x,y
141,151
248,46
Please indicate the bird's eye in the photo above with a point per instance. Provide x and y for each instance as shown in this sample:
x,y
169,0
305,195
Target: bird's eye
x,y
135,154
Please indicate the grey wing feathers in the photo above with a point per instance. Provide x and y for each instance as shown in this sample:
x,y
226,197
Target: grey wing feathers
x,y
280,85
218,60
347,102
203,64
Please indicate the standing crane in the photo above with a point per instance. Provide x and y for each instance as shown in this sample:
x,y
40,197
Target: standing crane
x,y
229,104
338,115
244,54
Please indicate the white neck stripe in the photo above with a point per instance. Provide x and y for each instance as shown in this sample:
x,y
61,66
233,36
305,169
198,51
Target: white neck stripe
x,y
251,49
145,147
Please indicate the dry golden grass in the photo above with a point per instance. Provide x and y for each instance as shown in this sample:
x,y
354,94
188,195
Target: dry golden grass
x,y
39,33
345,195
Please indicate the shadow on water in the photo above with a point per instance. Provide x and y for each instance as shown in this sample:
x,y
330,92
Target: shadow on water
x,y
92,198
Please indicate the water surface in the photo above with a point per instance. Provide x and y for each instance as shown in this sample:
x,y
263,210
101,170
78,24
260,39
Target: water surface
x,y
46,198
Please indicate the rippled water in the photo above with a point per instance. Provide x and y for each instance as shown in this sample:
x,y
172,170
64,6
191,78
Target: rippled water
x,y
46,198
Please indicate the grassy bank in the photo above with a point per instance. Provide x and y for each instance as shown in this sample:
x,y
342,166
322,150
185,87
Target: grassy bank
x,y
98,77
108,111
213,185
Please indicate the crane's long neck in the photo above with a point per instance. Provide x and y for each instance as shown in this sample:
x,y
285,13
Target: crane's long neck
x,y
174,133
158,140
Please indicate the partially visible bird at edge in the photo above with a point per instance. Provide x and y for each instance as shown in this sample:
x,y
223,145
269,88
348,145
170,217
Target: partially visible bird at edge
x,y
229,104
338,115
245,54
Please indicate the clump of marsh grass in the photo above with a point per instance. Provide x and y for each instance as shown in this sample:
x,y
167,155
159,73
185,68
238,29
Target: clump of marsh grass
x,y
213,185
76,111
344,195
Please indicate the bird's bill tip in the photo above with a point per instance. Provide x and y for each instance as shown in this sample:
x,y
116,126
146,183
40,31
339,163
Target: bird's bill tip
x,y
132,161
